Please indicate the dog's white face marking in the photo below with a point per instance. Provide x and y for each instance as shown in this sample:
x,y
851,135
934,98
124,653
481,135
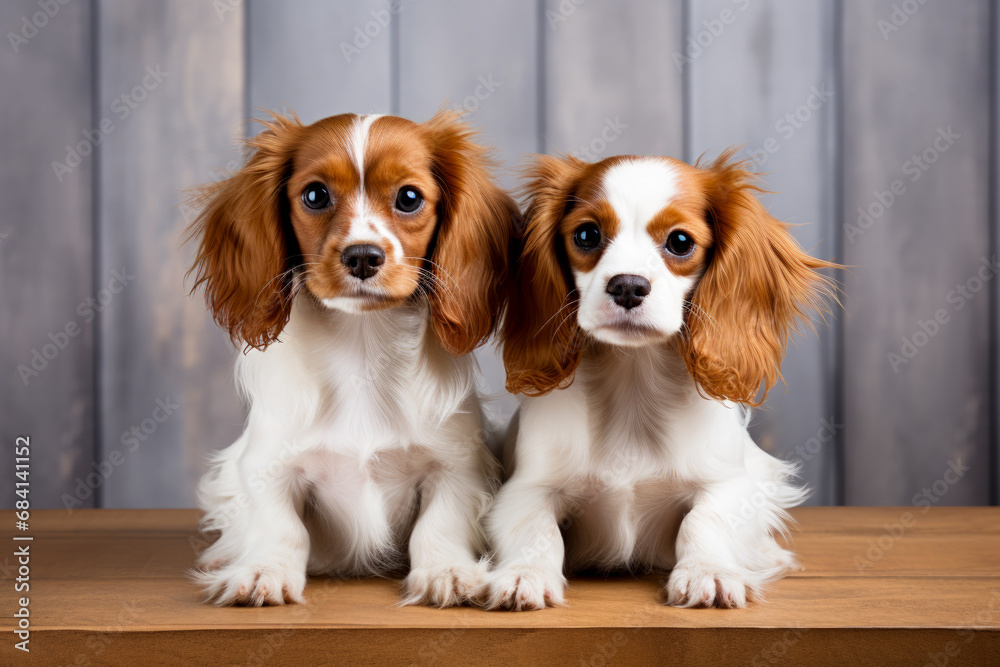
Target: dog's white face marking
x,y
637,190
366,226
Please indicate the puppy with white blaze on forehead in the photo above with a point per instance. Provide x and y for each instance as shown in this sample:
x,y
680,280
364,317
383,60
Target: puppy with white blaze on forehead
x,y
654,297
360,260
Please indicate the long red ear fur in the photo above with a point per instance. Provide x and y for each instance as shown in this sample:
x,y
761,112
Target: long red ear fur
x,y
759,284
541,338
472,255
242,251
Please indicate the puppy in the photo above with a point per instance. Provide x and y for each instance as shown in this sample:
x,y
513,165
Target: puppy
x,y
652,297
360,260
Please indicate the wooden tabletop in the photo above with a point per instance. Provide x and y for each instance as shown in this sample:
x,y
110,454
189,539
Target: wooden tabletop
x,y
881,586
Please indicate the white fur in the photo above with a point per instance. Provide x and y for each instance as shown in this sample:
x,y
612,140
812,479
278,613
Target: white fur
x,y
630,468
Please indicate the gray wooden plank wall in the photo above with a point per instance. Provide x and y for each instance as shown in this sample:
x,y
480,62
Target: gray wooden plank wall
x,y
834,98
921,119
46,248
166,394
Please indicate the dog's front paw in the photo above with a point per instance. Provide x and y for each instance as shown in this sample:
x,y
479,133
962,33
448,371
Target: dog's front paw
x,y
444,586
252,585
701,585
523,587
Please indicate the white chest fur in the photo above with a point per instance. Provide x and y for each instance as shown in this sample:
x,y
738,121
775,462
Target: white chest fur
x,y
357,382
628,446
354,414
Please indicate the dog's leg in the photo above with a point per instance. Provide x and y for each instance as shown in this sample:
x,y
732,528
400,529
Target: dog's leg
x,y
726,552
444,569
261,553
524,528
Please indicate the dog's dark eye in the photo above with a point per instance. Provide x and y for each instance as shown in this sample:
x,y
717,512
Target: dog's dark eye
x,y
408,199
316,196
587,236
680,243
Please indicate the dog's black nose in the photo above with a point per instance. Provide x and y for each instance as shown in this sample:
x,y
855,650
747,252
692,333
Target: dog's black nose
x,y
628,290
363,260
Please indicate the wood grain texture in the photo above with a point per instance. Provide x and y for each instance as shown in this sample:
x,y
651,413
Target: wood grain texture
x,y
611,83
995,248
114,589
320,58
777,59
46,258
481,57
926,82
158,345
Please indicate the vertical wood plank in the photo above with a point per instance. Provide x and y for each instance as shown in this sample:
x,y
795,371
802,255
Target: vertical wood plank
x,y
761,75
995,249
612,85
167,391
46,258
481,57
321,58
916,139
484,58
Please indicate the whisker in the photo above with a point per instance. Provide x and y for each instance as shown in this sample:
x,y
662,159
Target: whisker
x,y
561,308
559,326
438,283
439,267
700,313
453,284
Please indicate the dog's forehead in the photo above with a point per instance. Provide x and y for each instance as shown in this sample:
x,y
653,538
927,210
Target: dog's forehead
x,y
638,189
361,142
398,141
326,138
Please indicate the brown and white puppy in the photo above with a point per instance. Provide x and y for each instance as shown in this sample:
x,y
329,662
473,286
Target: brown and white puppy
x,y
360,259
652,296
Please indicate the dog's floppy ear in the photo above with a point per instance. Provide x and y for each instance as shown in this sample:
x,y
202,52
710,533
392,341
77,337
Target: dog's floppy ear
x,y
758,285
472,252
541,337
245,242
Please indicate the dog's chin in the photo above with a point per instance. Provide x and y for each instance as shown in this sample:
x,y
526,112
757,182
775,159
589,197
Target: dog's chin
x,y
629,333
362,300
